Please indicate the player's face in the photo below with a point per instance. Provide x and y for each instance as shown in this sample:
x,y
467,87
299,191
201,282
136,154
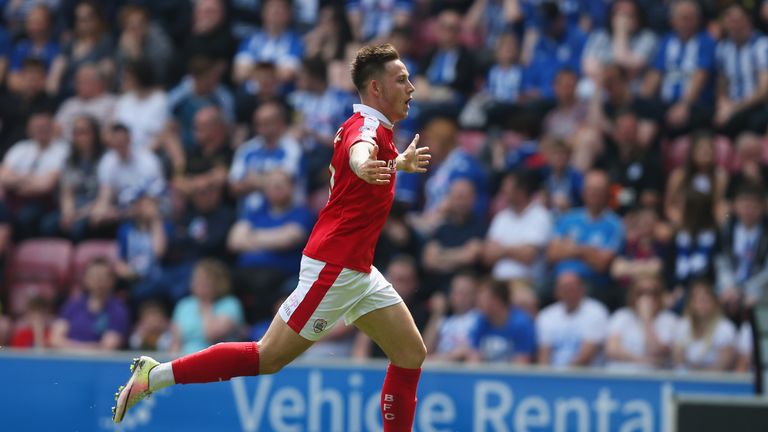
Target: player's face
x,y
396,90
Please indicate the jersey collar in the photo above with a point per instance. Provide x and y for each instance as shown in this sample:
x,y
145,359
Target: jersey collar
x,y
366,110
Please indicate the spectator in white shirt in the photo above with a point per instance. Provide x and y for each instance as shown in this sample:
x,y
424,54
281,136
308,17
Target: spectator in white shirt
x,y
142,107
91,99
450,338
571,332
744,348
30,174
704,338
640,335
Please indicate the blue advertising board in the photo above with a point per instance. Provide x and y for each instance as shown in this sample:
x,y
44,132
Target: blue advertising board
x,y
44,393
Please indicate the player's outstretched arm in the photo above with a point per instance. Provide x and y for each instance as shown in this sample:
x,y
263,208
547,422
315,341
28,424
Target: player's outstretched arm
x,y
414,159
364,163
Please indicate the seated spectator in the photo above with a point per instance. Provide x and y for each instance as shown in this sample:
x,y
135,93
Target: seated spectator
x,y
693,251
268,241
397,238
743,75
142,39
19,103
79,185
634,169
5,328
518,235
261,86
450,337
30,174
742,261
490,20
38,43
447,74
207,163
458,241
142,107
640,335
272,148
6,235
587,239
153,329
563,183
90,44
94,320
701,174
210,314
327,39
124,173
503,333
749,164
372,20
403,274
745,348
209,36
275,42
704,338
572,331
505,83
33,328
142,241
567,121
644,248
201,88
682,78
91,99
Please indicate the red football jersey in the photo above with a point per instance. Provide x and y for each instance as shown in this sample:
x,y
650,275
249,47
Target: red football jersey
x,y
349,226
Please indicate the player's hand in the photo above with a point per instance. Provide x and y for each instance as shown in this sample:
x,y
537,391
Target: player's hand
x,y
374,171
414,159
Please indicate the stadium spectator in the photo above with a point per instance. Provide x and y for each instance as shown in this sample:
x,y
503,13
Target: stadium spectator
x,y
90,44
503,332
587,239
398,237
701,174
207,163
94,320
210,314
682,77
5,52
152,331
142,241
450,336
199,89
268,240
30,174
261,86
371,20
91,99
572,331
273,147
518,235
79,185
567,121
209,36
563,183
6,235
749,166
17,104
38,43
490,19
640,335
458,240
704,338
693,250
742,261
141,39
744,348
742,66
447,75
123,174
644,248
505,84
275,42
244,17
33,328
142,107
327,39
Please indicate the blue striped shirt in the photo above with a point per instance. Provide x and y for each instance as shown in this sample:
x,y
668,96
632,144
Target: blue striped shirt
x,y
378,15
677,61
505,84
285,50
742,65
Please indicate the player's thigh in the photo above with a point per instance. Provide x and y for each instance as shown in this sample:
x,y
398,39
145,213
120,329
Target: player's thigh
x,y
393,329
280,346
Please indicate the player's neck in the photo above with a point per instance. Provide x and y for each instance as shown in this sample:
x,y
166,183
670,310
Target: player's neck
x,y
372,105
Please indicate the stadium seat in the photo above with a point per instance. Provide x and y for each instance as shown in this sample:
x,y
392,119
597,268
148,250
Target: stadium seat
x,y
89,250
676,151
22,292
41,261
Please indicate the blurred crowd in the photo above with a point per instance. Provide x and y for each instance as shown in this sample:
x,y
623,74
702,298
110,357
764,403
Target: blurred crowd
x,y
596,196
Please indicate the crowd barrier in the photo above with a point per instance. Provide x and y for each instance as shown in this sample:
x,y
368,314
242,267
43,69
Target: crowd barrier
x,y
62,393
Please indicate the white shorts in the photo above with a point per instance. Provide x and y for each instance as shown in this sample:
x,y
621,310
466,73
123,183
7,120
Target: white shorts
x,y
327,292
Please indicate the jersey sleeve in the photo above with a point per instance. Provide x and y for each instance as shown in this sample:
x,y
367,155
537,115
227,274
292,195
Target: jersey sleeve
x,y
364,131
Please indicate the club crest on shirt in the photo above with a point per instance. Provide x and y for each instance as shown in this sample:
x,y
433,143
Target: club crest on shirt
x,y
319,325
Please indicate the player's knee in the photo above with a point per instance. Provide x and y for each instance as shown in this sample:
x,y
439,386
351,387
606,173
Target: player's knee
x,y
411,356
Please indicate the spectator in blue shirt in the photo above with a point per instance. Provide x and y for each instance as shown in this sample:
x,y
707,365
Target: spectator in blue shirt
x,y
505,83
276,42
503,333
742,64
559,46
682,77
268,241
372,19
586,239
491,18
38,43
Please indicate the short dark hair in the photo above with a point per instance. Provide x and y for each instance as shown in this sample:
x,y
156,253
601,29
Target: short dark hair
x,y
316,68
33,62
119,127
370,61
751,189
527,180
498,289
142,72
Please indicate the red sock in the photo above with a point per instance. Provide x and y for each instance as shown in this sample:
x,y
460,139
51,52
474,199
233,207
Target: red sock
x,y
219,362
398,398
